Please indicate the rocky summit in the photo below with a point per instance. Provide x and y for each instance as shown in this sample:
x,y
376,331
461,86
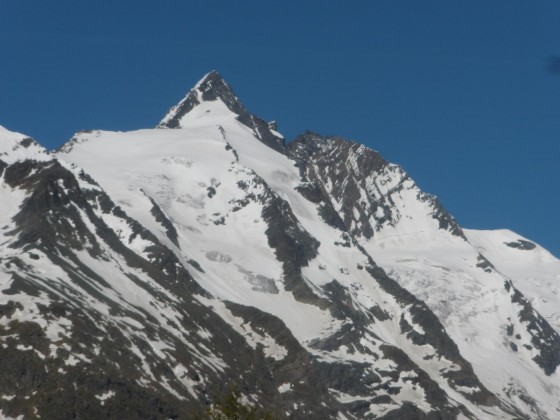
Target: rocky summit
x,y
144,274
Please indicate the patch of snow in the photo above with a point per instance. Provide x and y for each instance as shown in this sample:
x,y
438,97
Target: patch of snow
x,y
105,396
285,387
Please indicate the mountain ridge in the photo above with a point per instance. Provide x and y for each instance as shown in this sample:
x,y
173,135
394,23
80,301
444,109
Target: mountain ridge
x,y
348,292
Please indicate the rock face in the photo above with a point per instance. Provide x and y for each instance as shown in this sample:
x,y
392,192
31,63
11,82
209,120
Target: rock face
x,y
143,273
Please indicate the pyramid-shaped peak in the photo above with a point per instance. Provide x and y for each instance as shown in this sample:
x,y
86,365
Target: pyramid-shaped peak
x,y
210,79
211,87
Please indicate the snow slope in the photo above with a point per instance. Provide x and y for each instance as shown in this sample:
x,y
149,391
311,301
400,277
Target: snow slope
x,y
534,270
315,274
16,146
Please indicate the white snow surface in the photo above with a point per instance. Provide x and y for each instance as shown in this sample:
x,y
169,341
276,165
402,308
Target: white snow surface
x,y
195,173
535,272
178,166
12,149
473,305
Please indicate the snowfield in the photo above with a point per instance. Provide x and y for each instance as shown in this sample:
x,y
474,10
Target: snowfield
x,y
347,291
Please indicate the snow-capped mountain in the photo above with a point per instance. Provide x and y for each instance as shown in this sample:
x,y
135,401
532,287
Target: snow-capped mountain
x,y
144,272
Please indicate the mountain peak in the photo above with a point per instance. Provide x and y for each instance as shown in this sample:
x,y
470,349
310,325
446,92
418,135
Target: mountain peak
x,y
210,78
211,87
213,74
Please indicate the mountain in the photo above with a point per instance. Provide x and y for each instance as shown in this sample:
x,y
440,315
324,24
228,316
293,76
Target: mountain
x,y
144,273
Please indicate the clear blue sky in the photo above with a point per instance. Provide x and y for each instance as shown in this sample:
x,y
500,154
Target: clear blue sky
x,y
461,94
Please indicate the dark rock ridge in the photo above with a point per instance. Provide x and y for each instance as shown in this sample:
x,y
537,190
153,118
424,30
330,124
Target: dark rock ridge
x,y
544,338
352,172
521,244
